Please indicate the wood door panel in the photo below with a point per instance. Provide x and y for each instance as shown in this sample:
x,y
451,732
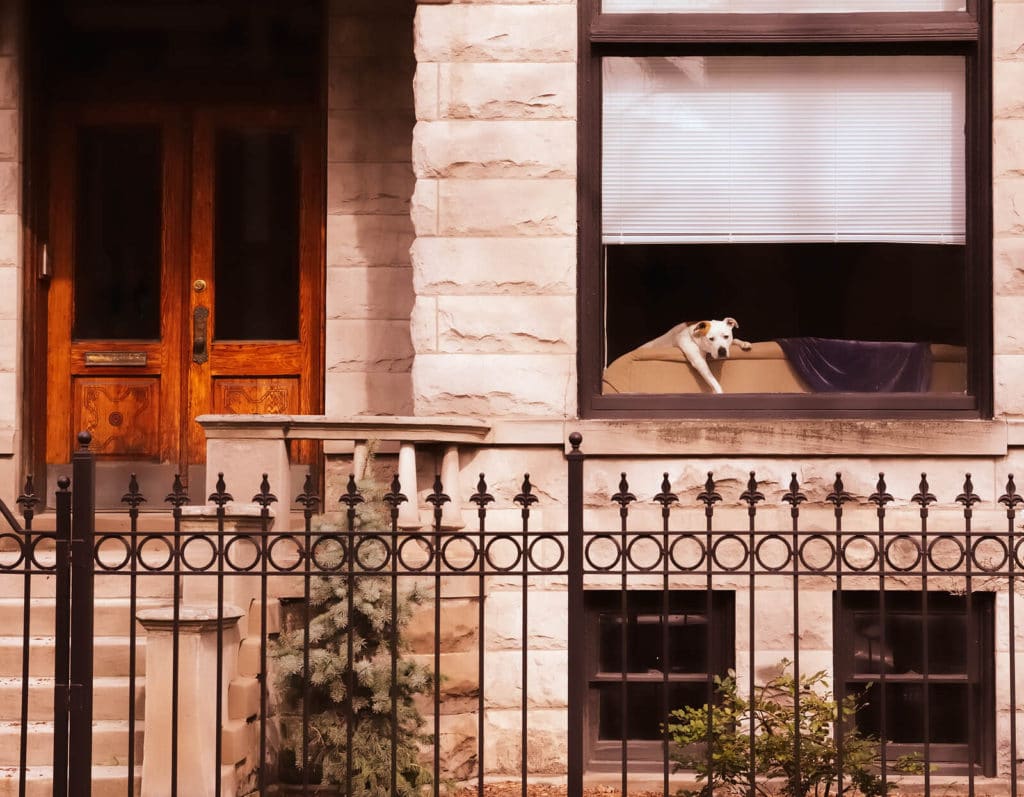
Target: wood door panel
x,y
122,415
256,396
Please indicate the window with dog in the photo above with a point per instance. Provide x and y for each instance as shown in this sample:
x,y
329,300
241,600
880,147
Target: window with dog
x,y
650,652
941,670
796,221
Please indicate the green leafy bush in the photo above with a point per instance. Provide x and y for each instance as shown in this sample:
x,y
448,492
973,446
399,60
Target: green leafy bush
x,y
774,767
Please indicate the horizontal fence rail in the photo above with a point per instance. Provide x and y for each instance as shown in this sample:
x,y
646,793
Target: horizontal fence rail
x,y
623,648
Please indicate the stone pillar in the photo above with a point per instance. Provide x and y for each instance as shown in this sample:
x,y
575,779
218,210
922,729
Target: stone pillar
x,y
197,698
451,513
409,512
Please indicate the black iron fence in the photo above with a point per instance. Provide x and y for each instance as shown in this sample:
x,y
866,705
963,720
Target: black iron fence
x,y
372,660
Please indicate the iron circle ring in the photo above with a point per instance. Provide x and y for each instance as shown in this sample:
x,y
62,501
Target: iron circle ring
x,y
368,538
401,555
974,553
757,552
107,568
676,562
472,546
235,541
874,553
561,553
142,544
931,553
315,560
629,552
726,538
1019,553
490,560
917,553
831,553
213,553
20,543
281,568
36,539
589,561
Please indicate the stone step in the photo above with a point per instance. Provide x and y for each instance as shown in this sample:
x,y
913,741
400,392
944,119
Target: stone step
x,y
109,698
110,656
107,781
109,743
110,615
106,585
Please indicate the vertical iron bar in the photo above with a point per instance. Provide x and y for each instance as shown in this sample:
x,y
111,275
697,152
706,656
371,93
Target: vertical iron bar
x,y
623,498
880,498
27,501
62,643
924,498
83,533
220,497
837,498
264,498
132,498
481,498
709,498
794,498
525,499
351,499
176,498
1011,500
666,498
751,496
968,498
309,500
438,499
577,658
393,499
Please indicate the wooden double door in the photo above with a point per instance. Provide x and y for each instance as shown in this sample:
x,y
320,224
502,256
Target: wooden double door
x,y
186,278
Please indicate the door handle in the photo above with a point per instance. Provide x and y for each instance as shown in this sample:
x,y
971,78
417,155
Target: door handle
x,y
199,318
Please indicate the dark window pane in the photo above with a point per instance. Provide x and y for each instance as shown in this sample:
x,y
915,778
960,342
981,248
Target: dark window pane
x,y
904,712
256,255
645,641
644,707
118,234
904,636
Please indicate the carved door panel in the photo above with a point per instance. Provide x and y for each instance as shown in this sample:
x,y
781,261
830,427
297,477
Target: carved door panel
x,y
185,251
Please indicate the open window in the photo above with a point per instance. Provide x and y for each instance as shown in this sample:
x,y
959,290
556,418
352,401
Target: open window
x,y
814,176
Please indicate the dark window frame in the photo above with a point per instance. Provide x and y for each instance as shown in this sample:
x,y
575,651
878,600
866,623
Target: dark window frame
x,y
921,33
980,657
647,755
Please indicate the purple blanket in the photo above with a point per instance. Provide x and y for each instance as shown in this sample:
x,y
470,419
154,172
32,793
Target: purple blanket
x,y
855,366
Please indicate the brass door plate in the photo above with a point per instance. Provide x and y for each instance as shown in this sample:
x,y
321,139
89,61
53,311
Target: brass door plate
x,y
118,358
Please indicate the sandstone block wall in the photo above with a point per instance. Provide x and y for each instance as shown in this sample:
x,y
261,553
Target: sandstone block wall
x,y
369,185
494,153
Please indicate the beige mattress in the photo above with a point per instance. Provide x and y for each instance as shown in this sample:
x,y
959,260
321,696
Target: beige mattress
x,y
763,369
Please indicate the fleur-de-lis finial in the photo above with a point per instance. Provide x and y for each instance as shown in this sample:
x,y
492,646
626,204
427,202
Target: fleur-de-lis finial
x,y
709,496
308,497
968,497
437,497
481,497
1010,498
220,495
839,495
923,497
177,497
525,498
351,497
133,497
264,498
28,499
880,497
666,497
751,496
623,497
793,496
394,496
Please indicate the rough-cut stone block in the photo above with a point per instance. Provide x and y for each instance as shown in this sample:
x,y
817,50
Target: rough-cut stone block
x,y
1008,147
485,324
369,240
363,292
9,141
361,393
9,292
371,34
547,626
378,82
506,91
9,328
424,207
1007,98
517,266
368,345
1007,30
1008,206
507,384
10,239
8,82
1008,320
425,84
9,187
369,188
423,324
362,136
1007,267
8,399
546,685
530,33
546,732
507,207
1009,376
494,149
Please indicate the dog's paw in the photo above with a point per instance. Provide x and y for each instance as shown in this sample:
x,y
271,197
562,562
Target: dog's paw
x,y
745,346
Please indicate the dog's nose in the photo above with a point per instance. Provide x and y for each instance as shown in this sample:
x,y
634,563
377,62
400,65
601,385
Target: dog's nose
x,y
723,352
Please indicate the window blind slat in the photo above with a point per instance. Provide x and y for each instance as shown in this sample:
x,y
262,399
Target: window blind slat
x,y
767,149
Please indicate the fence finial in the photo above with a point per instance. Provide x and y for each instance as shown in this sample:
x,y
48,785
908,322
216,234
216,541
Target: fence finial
x,y
481,497
839,495
751,495
264,497
575,439
133,497
709,497
922,496
666,497
308,497
28,498
177,497
1010,498
220,496
623,497
84,440
880,497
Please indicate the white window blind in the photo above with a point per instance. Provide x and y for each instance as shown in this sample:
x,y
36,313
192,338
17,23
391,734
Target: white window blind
x,y
775,6
783,149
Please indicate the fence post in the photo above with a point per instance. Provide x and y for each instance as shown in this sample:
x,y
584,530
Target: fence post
x,y
577,658
83,530
62,640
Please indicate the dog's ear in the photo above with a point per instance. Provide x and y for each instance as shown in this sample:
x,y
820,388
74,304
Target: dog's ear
x,y
700,329
732,322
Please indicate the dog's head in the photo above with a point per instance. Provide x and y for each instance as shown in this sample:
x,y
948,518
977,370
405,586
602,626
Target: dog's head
x,y
714,337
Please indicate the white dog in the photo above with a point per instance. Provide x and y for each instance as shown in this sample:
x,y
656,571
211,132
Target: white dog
x,y
698,340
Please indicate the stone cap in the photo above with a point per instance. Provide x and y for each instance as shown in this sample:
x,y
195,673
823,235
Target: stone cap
x,y
192,617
